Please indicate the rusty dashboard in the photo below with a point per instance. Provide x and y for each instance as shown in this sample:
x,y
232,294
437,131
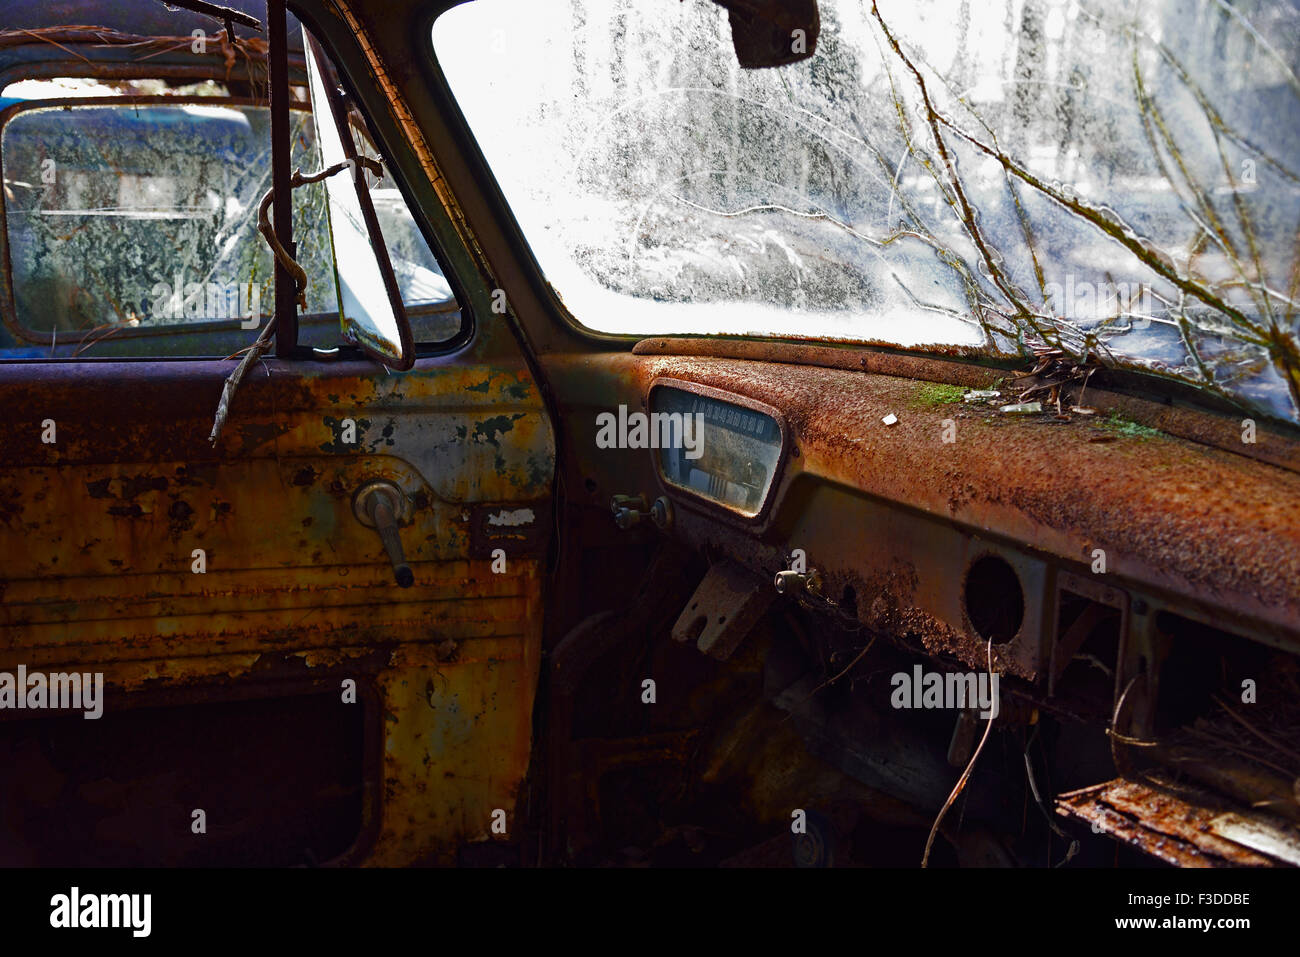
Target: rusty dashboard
x,y
1001,487
1117,576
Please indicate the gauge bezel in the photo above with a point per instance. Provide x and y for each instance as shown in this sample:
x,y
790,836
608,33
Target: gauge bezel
x,y
672,489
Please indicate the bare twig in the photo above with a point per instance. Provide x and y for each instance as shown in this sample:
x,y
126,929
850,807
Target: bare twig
x,y
263,341
1254,730
255,352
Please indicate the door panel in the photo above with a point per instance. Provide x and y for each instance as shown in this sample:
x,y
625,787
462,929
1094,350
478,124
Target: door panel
x,y
98,532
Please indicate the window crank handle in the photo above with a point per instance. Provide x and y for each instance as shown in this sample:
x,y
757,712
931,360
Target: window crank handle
x,y
378,505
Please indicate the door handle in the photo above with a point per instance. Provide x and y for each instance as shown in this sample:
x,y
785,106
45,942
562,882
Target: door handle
x,y
382,506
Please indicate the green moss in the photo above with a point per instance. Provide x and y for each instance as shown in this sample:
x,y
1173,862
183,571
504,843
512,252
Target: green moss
x,y
1117,423
934,394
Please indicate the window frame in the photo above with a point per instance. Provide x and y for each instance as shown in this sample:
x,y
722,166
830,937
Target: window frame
x,y
434,221
471,154
117,71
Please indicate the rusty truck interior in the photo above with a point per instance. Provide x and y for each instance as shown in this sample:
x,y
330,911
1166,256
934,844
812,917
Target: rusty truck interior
x,y
628,433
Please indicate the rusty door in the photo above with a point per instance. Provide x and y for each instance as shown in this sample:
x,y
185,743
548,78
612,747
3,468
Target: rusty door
x,y
195,577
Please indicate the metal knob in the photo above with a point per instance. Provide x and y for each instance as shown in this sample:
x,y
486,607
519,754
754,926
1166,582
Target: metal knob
x,y
790,582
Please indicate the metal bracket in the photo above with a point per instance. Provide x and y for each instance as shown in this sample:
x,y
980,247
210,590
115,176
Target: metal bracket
x,y
728,602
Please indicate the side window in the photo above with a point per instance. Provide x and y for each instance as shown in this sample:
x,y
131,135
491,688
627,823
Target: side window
x,y
130,225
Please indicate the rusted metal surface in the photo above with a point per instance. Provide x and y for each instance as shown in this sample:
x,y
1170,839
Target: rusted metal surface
x,y
1022,491
517,532
1274,444
222,14
1161,823
286,296
826,355
124,40
157,20
97,533
96,530
1064,488
1282,843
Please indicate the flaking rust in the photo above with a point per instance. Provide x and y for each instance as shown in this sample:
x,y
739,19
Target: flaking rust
x,y
99,535
1159,821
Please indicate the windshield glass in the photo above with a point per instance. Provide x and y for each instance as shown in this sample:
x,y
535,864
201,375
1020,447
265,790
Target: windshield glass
x,y
1117,181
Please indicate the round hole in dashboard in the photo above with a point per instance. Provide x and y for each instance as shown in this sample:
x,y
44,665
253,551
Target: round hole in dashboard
x,y
995,602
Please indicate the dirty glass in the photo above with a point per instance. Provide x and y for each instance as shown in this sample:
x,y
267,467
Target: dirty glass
x,y
419,276
131,217
726,453
369,317
1113,180
430,303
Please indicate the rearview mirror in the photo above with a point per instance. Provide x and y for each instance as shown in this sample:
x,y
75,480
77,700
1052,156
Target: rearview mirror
x,y
766,33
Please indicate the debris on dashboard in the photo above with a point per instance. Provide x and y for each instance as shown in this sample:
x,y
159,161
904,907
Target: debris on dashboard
x,y
1022,408
1054,373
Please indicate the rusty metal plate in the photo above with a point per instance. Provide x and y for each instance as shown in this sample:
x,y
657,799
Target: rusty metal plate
x,y
1160,822
1267,837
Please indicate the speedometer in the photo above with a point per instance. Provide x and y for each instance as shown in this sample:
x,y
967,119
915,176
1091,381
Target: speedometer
x,y
729,449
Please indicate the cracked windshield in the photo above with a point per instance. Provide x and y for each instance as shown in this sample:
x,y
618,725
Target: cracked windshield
x,y
1113,184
